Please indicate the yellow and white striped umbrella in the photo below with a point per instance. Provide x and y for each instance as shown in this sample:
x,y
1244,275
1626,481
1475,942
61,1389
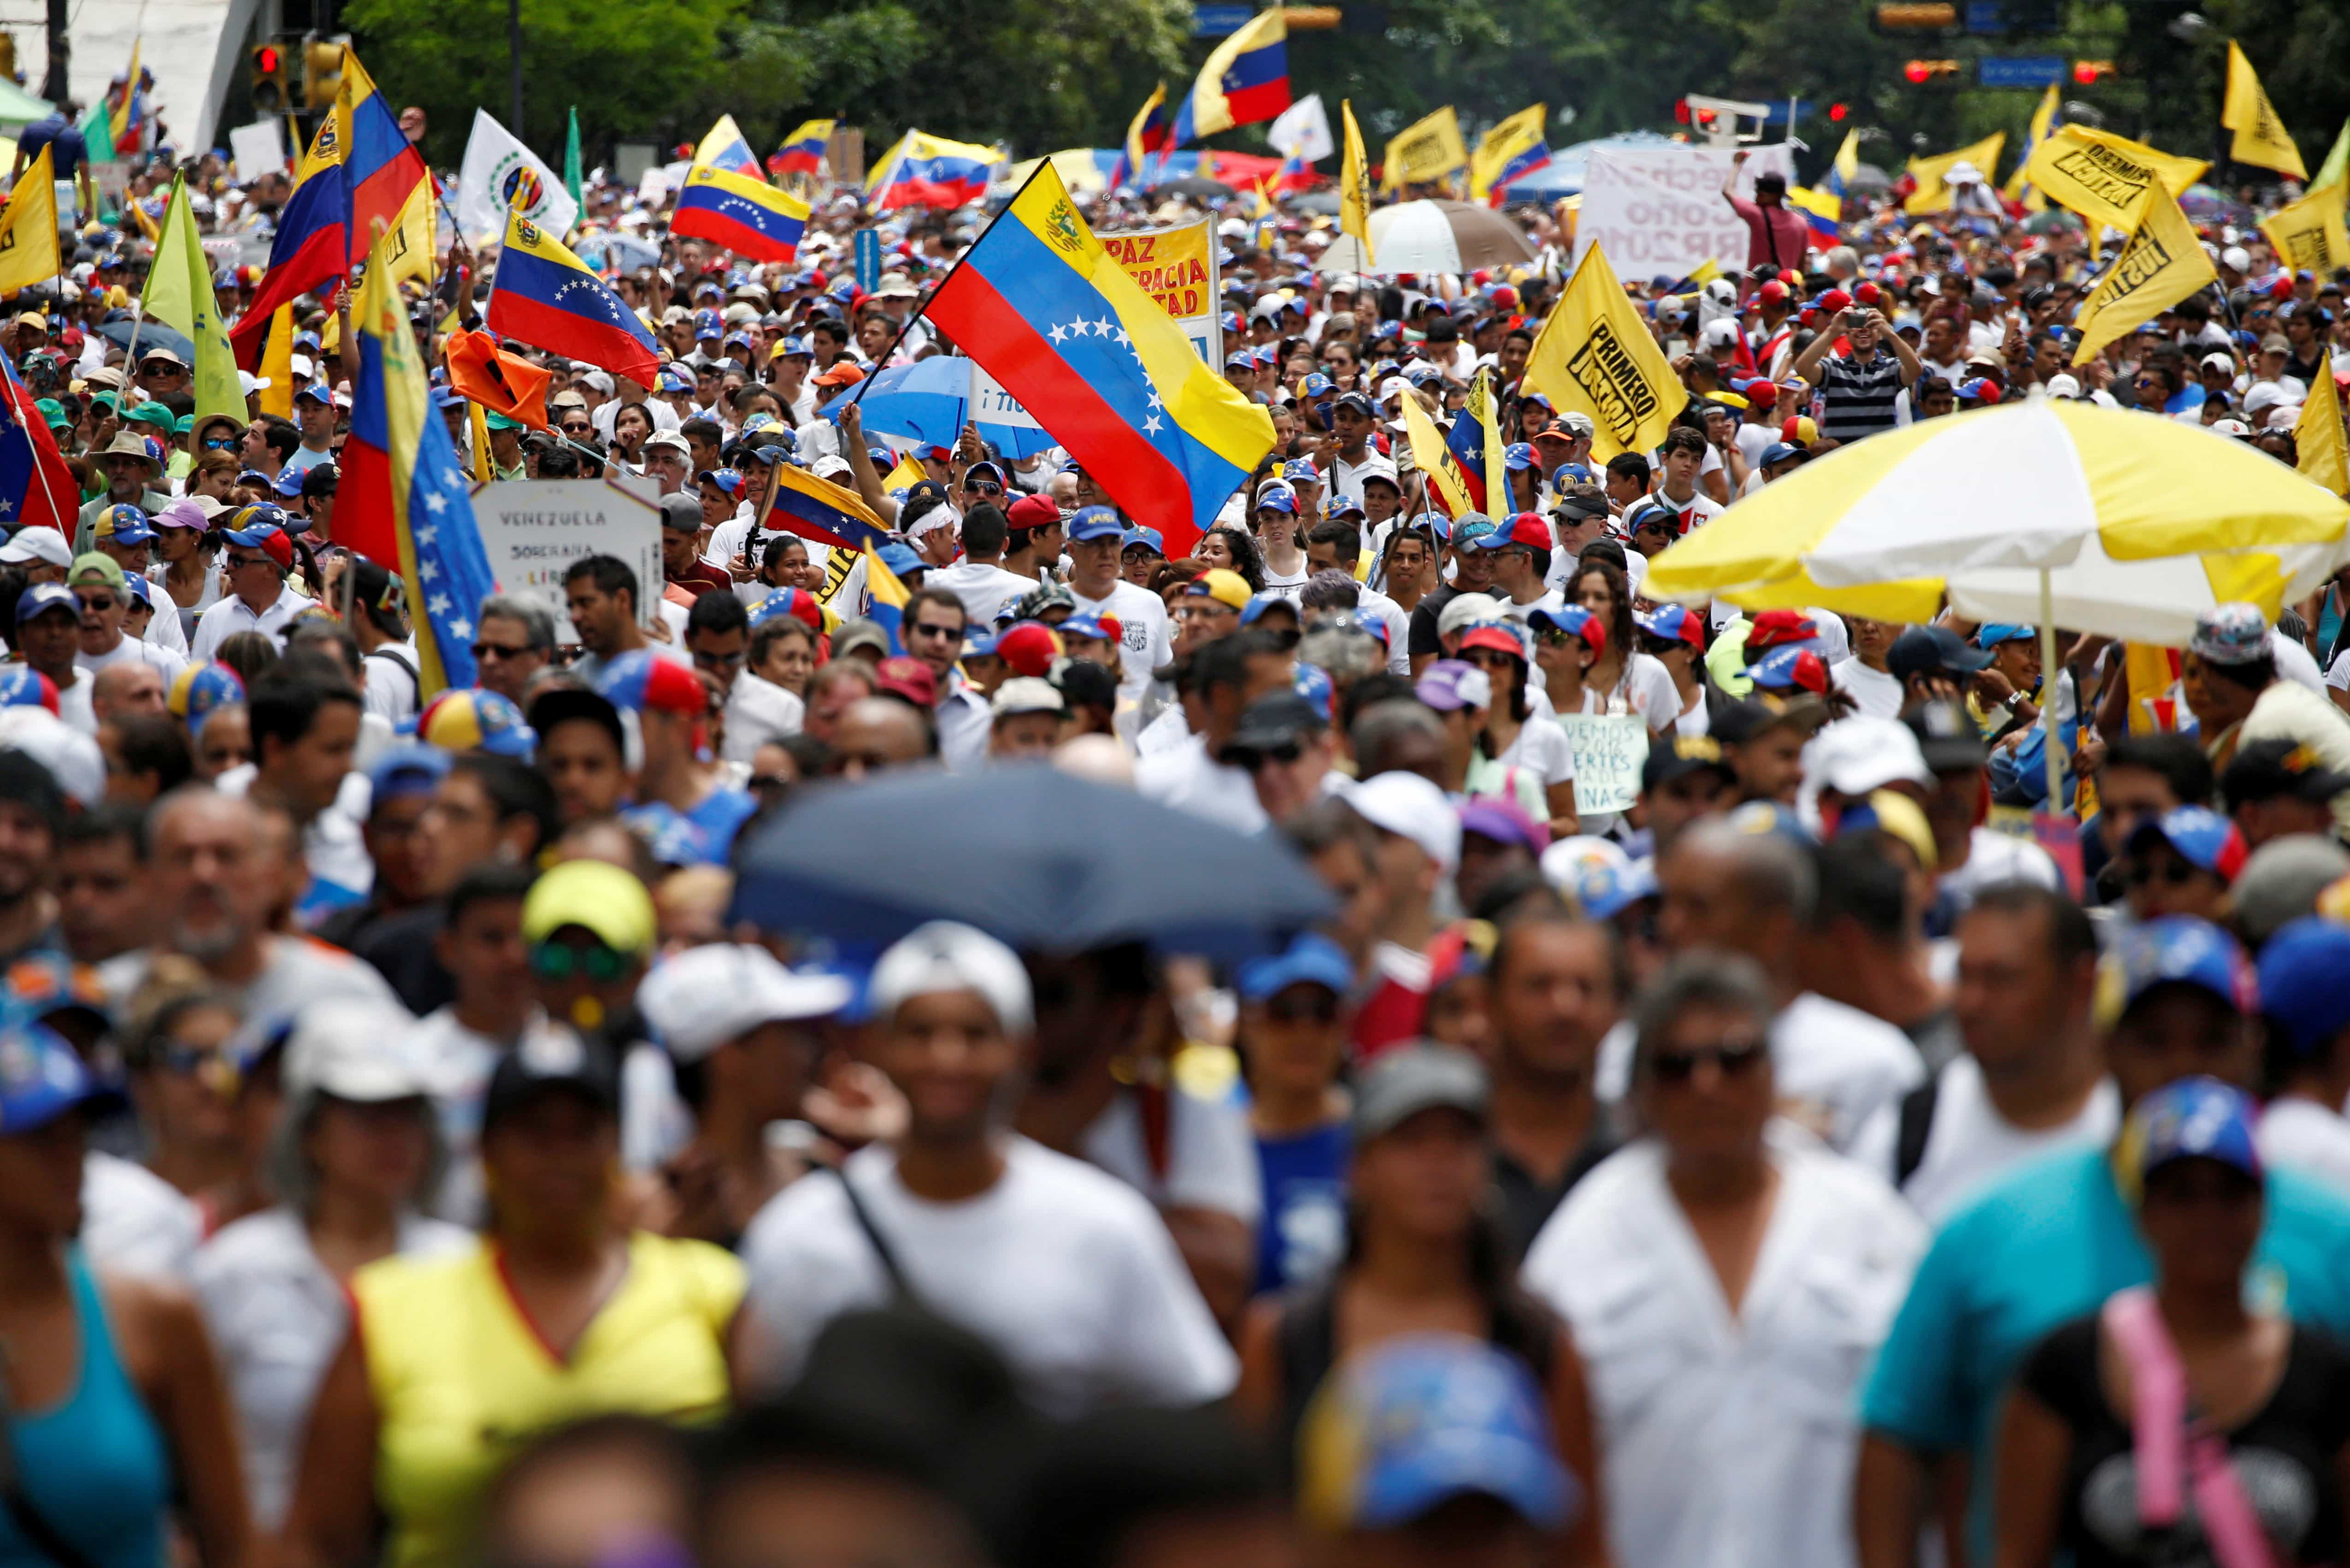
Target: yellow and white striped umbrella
x,y
2110,522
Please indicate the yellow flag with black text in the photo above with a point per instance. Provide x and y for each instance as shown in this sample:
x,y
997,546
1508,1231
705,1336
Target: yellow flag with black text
x,y
1595,357
1520,134
2162,264
2105,177
1434,458
1429,149
2319,452
2261,136
1932,194
1353,184
28,230
2307,234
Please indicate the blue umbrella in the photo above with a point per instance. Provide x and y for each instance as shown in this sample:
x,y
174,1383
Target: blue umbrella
x,y
149,334
1045,861
928,402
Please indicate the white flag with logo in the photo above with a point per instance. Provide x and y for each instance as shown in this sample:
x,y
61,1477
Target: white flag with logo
x,y
1303,130
499,173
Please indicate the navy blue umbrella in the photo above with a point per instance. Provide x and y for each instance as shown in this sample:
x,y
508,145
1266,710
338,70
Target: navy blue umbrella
x,y
149,335
1042,860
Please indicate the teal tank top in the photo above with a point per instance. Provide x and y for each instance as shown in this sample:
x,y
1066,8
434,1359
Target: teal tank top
x,y
95,1466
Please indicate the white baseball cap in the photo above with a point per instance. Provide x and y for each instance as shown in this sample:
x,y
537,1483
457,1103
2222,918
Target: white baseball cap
x,y
944,956
705,996
353,1049
1856,756
1410,806
37,544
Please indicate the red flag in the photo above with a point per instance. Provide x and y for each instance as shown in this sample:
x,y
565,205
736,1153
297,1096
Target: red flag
x,y
496,380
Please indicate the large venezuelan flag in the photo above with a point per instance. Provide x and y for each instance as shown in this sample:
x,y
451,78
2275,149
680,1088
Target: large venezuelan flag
x,y
749,217
926,171
381,168
404,502
800,503
1245,81
803,150
309,250
1047,311
549,299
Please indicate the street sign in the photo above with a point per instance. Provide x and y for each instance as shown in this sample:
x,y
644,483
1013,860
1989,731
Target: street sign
x,y
2020,71
869,259
1217,21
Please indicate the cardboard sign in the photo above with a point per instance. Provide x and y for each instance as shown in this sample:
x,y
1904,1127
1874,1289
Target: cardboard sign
x,y
257,148
534,528
1660,210
1177,267
1609,751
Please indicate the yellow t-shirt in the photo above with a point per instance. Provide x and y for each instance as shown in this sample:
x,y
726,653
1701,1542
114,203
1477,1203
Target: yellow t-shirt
x,y
463,1380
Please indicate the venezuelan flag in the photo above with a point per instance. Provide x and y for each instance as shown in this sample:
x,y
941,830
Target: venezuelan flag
x,y
1148,133
1845,171
726,148
820,510
380,168
889,597
404,502
550,298
1467,441
311,248
125,120
1245,81
749,217
1047,311
926,171
804,151
1822,210
36,486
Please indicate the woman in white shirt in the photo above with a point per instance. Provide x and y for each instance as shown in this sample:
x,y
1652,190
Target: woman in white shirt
x,y
1276,537
1629,680
1727,1290
1513,737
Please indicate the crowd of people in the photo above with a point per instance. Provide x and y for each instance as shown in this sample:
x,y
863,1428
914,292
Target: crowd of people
x,y
408,1152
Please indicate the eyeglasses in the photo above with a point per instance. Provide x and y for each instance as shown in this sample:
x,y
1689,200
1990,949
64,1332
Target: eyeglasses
x,y
560,960
485,650
237,562
1731,1058
97,604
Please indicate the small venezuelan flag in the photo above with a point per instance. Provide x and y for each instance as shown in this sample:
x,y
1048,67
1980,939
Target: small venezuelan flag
x,y
799,502
888,596
803,150
749,217
552,300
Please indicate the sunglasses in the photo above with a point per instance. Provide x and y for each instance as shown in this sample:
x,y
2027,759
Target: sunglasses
x,y
1317,1006
96,603
483,650
559,960
1556,636
1250,760
982,487
219,443
1732,1059
2171,873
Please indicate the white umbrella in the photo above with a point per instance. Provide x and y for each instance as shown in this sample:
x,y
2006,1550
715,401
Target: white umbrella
x,y
1431,236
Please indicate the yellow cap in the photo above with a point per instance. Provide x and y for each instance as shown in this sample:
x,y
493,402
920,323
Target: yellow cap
x,y
596,895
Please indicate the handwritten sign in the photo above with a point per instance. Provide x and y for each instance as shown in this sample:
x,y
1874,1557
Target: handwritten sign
x,y
1659,210
1177,267
1609,751
534,528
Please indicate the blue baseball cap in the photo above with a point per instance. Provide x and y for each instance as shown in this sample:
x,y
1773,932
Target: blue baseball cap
x,y
446,397
1150,539
1259,603
1518,457
1278,496
126,524
2302,974
1410,1425
1672,623
45,596
408,769
1606,889
1240,359
2194,1119
1312,683
901,559
22,686
1301,471
733,339
725,479
2174,949
1990,634
2200,836
1778,451
1312,960
288,481
1096,522
1319,384
41,1076
140,588
1087,625
1365,621
793,348
672,380
706,323
1232,322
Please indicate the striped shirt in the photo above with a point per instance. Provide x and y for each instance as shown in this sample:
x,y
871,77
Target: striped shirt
x,y
1859,396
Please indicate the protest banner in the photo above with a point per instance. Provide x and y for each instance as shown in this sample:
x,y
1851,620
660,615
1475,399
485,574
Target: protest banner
x,y
1609,751
1177,267
534,528
1660,210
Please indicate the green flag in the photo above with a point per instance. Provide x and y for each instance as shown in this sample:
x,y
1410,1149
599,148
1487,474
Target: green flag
x,y
572,173
180,295
97,133
2337,162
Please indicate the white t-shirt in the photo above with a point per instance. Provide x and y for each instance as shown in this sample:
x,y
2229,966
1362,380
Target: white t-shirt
x,y
1399,624
1288,586
129,651
2295,662
1995,857
1875,693
74,702
2307,1137
758,712
1065,1270
1210,1153
1541,749
393,682
1968,1143
1145,643
983,589
1837,1066
1185,777
1754,441
135,1223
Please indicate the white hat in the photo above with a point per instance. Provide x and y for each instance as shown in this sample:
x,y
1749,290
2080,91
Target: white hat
x,y
1855,755
1410,806
1718,334
302,366
597,381
2260,395
830,467
1465,610
353,1049
1372,468
2235,258
1027,694
36,543
2228,428
2063,385
2218,362
72,758
706,996
2284,416
945,955
250,384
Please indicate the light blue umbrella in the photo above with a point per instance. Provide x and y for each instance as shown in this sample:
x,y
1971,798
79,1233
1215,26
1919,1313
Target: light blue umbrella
x,y
927,403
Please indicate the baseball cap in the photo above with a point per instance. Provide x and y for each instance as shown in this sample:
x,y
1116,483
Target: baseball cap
x,y
910,680
1273,721
41,1076
1311,960
901,559
201,688
125,524
1990,634
948,956
1409,1425
1029,648
551,1059
407,768
1572,620
1526,531
1791,669
1672,623
1278,496
2233,633
41,544
1946,738
680,513
1861,755
705,996
352,1049
595,895
1419,1077
1226,587
22,686
1026,694
2282,881
2198,835
2300,979
1686,755
1449,685
1504,821
96,570
643,681
2194,1119
1762,711
474,719
2173,949
1096,522
1148,538
260,534
42,598
2267,769
1781,628
1410,806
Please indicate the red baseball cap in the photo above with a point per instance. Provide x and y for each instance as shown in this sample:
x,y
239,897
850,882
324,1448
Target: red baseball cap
x,y
1835,299
1501,639
908,680
1772,628
1761,393
1031,512
1526,529
1771,293
1029,648
1868,293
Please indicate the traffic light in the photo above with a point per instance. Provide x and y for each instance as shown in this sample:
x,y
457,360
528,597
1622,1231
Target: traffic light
x,y
1836,111
322,73
1915,16
272,85
1944,73
2088,72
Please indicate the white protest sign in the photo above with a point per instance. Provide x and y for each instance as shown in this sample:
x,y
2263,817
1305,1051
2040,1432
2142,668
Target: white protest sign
x,y
257,148
534,528
1609,751
1660,212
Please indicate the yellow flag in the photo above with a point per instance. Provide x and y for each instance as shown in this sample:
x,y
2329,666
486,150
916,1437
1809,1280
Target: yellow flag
x,y
2307,236
905,475
1355,184
277,364
2162,264
326,149
1429,149
28,230
2320,451
485,467
1433,458
409,244
1522,132
1595,357
2261,136
2044,119
2105,177
1932,195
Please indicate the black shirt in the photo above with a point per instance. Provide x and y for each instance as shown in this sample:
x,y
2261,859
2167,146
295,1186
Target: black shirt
x,y
1423,639
2284,1457
1526,1203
